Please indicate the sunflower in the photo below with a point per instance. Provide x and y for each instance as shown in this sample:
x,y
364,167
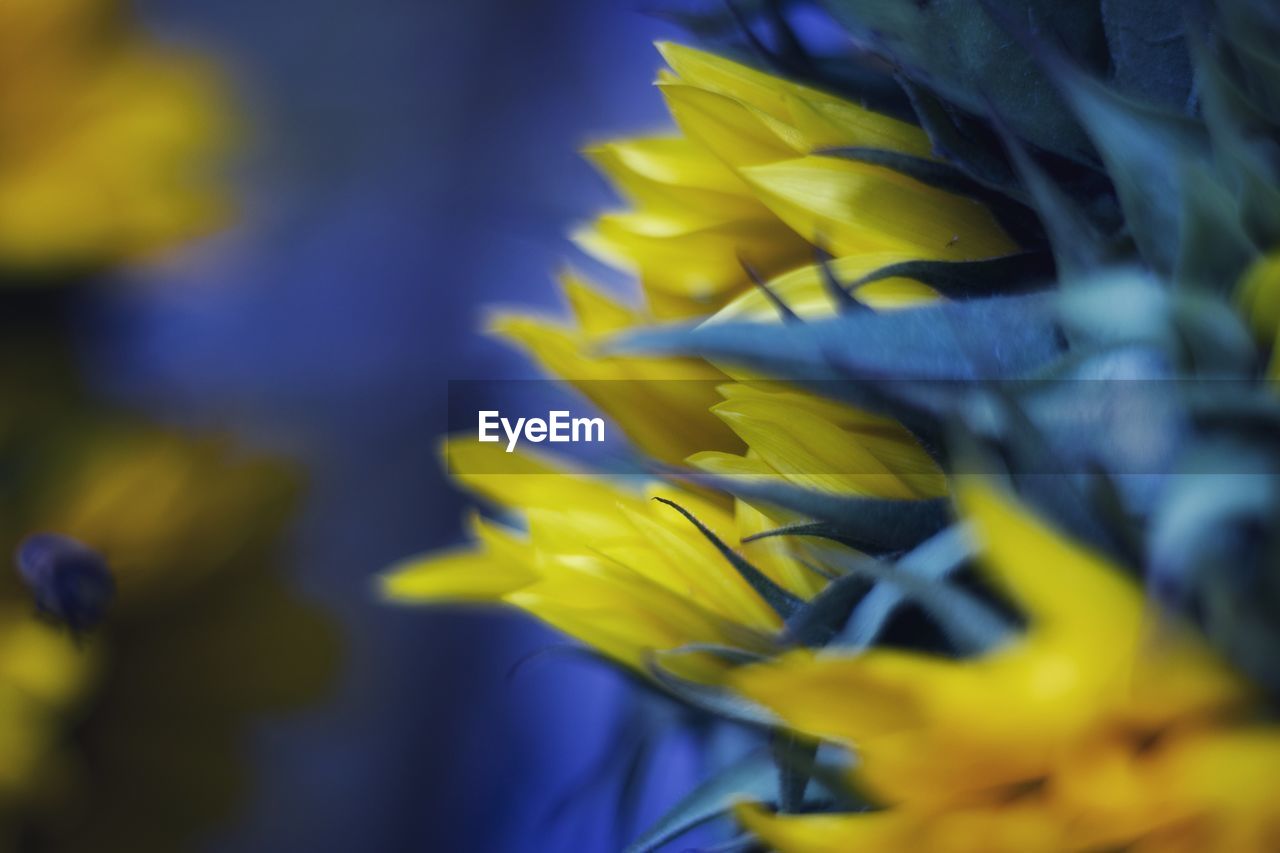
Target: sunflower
x,y
1024,242
731,428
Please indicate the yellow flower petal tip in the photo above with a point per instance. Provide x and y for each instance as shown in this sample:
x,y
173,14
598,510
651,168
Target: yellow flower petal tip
x,y
462,575
783,834
1058,581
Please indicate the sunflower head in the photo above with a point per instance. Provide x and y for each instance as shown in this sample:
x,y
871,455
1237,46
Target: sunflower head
x,y
992,561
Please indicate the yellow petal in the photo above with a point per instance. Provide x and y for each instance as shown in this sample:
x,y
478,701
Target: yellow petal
x,y
772,554
629,618
701,262
737,134
819,119
781,396
1109,791
1155,668
702,572
810,450
847,700
883,832
670,160
1024,827
884,439
642,396
806,293
461,575
676,178
520,479
704,70
597,315
1056,581
732,465
1230,777
934,730
855,207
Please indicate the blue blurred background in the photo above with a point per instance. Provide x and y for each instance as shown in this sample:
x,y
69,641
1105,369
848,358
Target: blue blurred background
x,y
411,162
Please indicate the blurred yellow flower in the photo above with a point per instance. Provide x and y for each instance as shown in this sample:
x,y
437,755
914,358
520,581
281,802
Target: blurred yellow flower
x,y
612,567
164,545
128,738
110,148
131,740
43,679
1068,738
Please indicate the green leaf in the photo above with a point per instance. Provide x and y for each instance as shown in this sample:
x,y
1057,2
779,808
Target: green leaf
x,y
959,50
730,654
819,621
1146,151
1149,56
969,624
871,525
844,301
1045,439
1076,237
1214,250
980,338
1246,143
1007,274
709,698
937,559
753,778
960,139
795,757
1252,29
827,530
902,364
780,600
1127,307
1214,542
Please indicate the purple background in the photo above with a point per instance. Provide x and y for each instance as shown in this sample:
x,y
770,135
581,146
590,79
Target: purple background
x,y
412,162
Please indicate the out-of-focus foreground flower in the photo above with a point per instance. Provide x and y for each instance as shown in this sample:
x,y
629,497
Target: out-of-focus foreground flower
x,y
148,624
1028,242
1102,726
